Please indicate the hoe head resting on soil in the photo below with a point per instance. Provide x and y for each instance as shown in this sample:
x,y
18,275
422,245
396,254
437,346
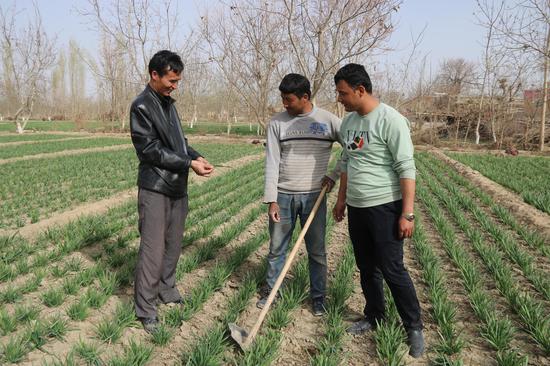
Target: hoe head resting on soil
x,y
239,335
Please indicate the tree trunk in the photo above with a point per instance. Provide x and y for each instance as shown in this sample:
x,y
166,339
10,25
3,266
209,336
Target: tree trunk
x,y
194,118
19,127
467,131
545,89
479,113
457,130
493,118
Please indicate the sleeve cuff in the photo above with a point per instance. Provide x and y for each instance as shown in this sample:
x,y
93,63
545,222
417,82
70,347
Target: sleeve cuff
x,y
270,197
408,174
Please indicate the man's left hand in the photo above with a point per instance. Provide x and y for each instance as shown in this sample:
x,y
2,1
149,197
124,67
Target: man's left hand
x,y
405,228
207,164
327,182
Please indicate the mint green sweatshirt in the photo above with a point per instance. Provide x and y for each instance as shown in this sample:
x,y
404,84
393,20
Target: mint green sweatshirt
x,y
378,151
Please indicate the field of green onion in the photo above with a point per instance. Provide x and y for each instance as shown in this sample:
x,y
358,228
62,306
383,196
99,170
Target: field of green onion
x,y
482,276
527,176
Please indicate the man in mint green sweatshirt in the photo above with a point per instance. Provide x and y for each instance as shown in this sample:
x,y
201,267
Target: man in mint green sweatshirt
x,y
377,185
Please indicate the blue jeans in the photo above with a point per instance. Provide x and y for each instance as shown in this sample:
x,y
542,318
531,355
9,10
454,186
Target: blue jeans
x,y
291,207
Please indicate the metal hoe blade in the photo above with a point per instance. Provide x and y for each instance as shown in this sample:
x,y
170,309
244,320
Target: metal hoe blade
x,y
239,335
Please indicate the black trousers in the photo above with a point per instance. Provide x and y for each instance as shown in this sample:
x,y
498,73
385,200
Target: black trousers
x,y
379,255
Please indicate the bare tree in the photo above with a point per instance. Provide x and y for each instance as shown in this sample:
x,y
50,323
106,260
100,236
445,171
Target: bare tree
x,y
455,74
28,53
246,45
405,80
325,33
59,86
197,82
526,28
488,17
131,32
112,80
77,80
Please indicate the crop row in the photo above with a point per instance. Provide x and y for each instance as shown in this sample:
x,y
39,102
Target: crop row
x,y
198,230
527,176
37,137
63,182
504,240
7,152
198,128
65,126
78,309
531,237
530,310
57,243
110,330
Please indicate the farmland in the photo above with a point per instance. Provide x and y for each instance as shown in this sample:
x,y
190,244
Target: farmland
x,y
481,271
201,127
527,176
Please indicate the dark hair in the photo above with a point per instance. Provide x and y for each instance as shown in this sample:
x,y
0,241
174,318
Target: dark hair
x,y
164,61
295,84
355,75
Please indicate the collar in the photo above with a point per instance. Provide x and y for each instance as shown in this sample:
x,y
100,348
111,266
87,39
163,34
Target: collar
x,y
313,109
165,101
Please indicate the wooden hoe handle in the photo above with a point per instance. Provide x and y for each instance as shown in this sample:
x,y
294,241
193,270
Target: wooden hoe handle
x,y
285,269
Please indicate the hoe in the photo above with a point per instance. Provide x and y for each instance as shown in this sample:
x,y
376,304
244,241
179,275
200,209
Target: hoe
x,y
240,335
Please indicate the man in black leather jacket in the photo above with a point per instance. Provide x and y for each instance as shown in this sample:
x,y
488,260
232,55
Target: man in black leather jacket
x,y
164,162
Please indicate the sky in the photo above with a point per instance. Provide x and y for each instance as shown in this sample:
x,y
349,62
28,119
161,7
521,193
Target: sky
x,y
451,29
451,26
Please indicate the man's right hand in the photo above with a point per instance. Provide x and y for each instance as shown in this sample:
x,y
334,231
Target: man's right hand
x,y
202,167
273,212
339,210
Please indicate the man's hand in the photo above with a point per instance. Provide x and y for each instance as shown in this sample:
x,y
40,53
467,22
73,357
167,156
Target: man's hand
x,y
327,182
200,158
202,167
405,228
339,210
273,212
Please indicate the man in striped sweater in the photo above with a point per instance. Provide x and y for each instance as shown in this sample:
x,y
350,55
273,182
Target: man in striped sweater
x,y
298,149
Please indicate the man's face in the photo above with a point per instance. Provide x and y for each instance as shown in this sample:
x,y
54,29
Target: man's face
x,y
348,96
165,84
293,104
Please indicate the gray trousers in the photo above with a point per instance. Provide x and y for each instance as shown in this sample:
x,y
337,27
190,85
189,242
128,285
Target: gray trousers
x,y
161,224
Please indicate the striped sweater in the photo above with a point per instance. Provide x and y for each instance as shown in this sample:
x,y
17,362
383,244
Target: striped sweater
x,y
298,151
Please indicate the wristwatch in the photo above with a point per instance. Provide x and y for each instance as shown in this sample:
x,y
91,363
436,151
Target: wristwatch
x,y
408,216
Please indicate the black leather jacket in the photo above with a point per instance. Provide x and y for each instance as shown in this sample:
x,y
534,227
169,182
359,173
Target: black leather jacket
x,y
162,150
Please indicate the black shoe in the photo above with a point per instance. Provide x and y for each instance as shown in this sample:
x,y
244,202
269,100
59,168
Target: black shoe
x,y
360,327
415,340
264,294
150,324
318,306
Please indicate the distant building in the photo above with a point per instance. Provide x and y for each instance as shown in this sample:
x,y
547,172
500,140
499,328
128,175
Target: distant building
x,y
531,95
